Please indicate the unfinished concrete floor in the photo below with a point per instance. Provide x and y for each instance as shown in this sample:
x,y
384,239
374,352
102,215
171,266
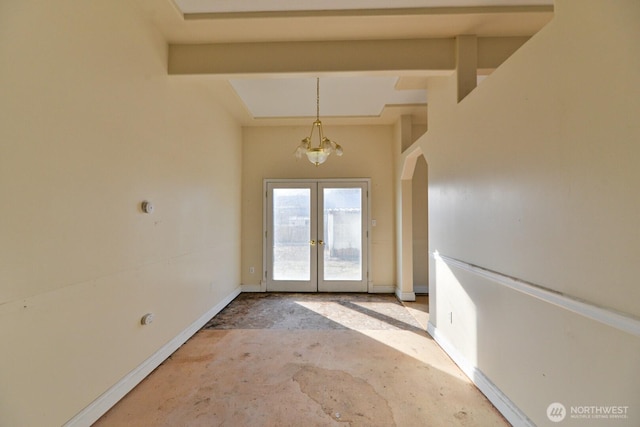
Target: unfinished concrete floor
x,y
308,360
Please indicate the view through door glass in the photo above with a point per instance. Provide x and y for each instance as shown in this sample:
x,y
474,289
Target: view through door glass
x,y
342,220
291,234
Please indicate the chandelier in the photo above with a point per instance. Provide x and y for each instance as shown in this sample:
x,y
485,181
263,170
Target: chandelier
x,y
319,153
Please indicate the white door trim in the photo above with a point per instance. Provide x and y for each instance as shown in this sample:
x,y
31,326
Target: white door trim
x,y
299,285
366,221
361,285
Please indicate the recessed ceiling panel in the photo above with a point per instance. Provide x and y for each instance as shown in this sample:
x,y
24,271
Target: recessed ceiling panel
x,y
339,96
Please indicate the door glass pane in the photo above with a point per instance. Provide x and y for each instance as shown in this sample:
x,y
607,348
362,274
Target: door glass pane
x,y
342,216
291,233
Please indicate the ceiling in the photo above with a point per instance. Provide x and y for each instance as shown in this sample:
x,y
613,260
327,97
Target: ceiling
x,y
354,98
361,96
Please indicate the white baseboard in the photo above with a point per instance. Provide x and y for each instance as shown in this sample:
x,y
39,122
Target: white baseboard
x,y
382,289
507,408
102,404
405,296
421,289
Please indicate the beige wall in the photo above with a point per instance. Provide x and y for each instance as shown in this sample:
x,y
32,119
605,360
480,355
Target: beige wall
x,y
420,227
534,176
90,126
268,153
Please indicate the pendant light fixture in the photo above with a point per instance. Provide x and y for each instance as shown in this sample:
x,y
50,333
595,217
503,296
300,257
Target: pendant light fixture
x,y
319,153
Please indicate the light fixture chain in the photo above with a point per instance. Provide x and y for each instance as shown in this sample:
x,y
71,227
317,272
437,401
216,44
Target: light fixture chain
x,y
317,98
319,154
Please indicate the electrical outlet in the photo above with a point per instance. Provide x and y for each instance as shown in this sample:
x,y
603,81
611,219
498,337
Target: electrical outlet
x,y
252,270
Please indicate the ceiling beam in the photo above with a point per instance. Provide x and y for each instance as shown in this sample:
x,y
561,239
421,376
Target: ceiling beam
x,y
404,57
407,11
466,65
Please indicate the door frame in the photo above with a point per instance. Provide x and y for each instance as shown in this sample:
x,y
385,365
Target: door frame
x,y
366,220
291,285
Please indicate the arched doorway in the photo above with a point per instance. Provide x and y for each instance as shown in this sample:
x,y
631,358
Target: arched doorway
x,y
420,227
413,246
414,236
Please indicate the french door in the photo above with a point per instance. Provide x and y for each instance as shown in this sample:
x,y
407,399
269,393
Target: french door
x,y
316,236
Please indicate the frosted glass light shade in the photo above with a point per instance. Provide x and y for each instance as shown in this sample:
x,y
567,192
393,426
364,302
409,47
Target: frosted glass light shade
x,y
317,155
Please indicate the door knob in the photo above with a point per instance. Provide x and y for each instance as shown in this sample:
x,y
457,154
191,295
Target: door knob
x,y
321,242
312,242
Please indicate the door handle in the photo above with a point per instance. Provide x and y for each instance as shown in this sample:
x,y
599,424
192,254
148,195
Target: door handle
x,y
312,242
320,242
